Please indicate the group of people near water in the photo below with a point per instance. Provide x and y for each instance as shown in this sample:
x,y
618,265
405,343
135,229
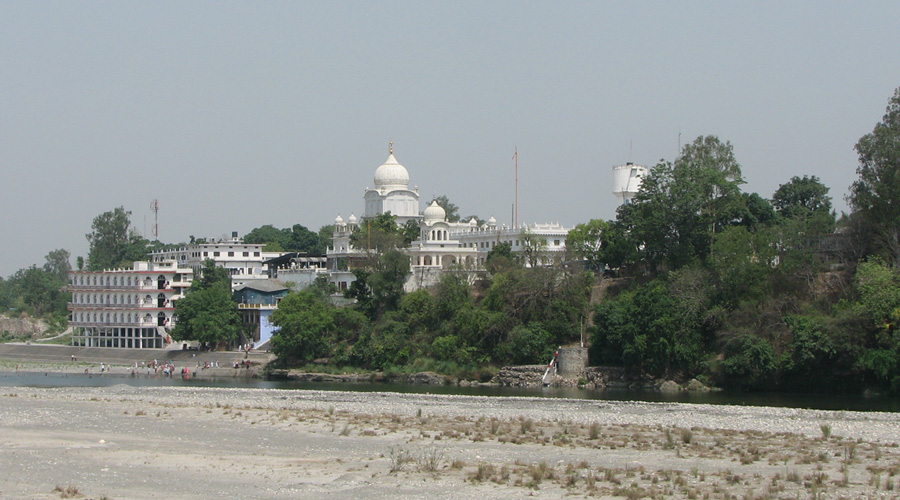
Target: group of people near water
x,y
166,368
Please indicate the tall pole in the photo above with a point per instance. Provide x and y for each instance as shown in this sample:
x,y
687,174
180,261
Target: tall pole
x,y
516,157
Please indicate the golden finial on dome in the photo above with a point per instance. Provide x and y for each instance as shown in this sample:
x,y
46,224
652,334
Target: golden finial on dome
x,y
391,147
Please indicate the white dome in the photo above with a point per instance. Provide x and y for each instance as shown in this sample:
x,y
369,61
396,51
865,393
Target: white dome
x,y
434,212
391,175
338,220
352,219
492,221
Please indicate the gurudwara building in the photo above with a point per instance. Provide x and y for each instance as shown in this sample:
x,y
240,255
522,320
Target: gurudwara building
x,y
131,308
441,244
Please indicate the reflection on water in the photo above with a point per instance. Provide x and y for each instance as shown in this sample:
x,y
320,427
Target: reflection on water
x,y
812,401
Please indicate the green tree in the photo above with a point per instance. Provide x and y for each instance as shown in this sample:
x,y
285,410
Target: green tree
x,y
750,363
379,234
306,327
743,260
360,290
208,313
265,235
297,238
651,329
113,242
874,195
812,350
500,258
528,345
410,232
674,218
586,242
419,310
211,276
387,281
326,233
451,294
40,290
534,248
878,286
802,197
757,212
57,263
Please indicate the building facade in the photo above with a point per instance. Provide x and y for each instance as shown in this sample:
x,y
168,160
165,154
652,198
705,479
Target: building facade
x,y
128,308
256,301
243,261
442,245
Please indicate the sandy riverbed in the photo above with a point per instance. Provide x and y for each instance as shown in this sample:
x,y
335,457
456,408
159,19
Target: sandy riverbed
x,y
198,443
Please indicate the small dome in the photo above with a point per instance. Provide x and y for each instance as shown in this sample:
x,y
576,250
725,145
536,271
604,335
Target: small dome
x,y
434,212
391,174
492,221
473,221
338,220
352,219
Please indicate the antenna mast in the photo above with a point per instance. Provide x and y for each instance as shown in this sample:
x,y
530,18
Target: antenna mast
x,y
154,207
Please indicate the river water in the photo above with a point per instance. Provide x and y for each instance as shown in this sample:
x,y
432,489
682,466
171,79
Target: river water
x,y
786,400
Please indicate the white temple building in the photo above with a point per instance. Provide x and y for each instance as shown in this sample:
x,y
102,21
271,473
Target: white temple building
x,y
391,192
441,245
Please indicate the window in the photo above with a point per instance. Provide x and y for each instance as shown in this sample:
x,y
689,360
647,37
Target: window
x,y
256,254
215,254
246,254
556,242
231,254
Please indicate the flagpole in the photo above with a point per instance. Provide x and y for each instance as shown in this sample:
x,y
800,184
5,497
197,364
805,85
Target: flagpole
x,y
516,157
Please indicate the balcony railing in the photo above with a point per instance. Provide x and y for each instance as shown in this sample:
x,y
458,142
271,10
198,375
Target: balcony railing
x,y
122,307
152,323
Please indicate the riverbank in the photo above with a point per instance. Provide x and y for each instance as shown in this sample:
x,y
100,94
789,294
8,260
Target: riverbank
x,y
187,442
90,360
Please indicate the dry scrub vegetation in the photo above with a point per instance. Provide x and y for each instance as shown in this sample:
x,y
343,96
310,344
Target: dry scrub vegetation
x,y
663,462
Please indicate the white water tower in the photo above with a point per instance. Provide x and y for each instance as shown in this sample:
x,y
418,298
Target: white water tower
x,y
627,181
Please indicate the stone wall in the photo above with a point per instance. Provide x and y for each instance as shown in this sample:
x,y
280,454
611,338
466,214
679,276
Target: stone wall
x,y
572,361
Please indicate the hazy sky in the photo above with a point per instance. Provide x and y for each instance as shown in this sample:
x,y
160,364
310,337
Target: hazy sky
x,y
239,114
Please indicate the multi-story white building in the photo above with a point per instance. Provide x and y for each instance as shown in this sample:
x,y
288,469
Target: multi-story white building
x,y
243,261
130,308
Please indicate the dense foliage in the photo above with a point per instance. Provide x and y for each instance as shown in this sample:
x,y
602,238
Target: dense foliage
x,y
114,243
517,315
207,313
751,293
297,238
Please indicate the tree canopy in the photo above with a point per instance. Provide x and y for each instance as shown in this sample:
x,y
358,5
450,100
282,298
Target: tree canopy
x,y
113,242
874,195
802,197
207,313
297,238
674,218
